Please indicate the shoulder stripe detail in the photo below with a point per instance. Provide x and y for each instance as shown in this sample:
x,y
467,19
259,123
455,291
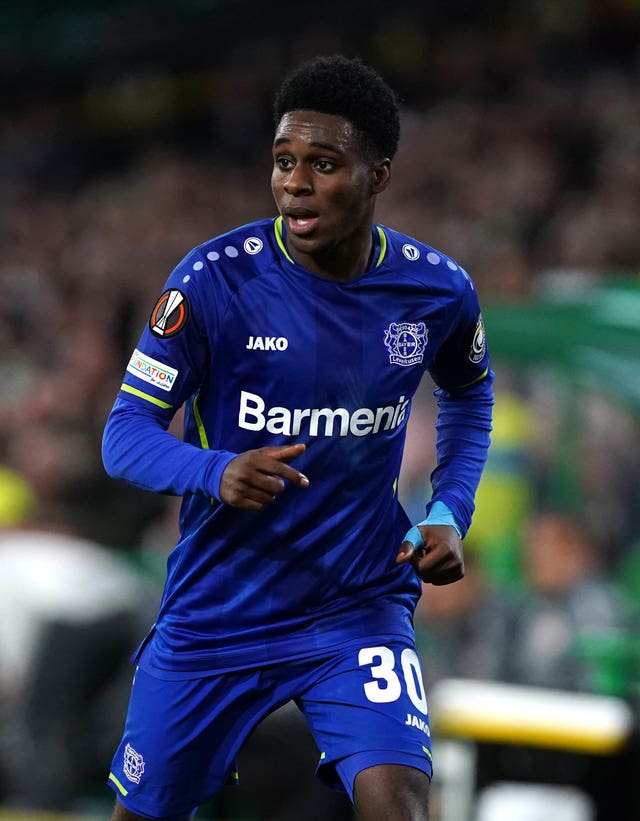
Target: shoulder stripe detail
x,y
128,389
383,245
204,441
121,789
277,226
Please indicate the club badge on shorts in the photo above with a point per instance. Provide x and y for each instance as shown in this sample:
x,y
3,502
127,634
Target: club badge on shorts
x,y
133,764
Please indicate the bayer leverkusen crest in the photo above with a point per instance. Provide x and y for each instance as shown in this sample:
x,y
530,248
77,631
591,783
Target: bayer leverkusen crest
x,y
133,765
406,342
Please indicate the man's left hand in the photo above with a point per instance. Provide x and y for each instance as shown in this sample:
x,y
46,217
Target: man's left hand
x,y
440,560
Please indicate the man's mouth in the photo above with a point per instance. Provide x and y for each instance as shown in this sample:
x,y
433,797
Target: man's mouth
x,y
301,225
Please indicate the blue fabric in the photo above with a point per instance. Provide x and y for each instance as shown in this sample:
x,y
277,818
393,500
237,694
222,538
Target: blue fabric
x,y
260,352
414,537
363,703
439,514
349,767
136,445
462,440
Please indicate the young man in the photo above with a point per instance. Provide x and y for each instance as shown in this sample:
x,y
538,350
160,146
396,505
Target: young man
x,y
296,345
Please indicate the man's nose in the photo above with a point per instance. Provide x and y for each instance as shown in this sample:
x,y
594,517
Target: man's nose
x,y
298,181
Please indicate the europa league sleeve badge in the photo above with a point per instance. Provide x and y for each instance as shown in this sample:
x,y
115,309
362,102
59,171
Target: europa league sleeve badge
x,y
170,314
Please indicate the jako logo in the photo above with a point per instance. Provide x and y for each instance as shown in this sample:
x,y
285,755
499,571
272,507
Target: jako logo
x,y
254,415
267,343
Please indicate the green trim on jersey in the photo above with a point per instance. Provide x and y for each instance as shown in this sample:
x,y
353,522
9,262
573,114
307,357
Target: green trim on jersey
x,y
277,226
128,389
484,373
383,245
202,433
278,229
204,440
121,789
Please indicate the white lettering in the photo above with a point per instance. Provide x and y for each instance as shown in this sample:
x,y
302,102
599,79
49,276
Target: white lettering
x,y
329,417
254,415
400,409
279,421
362,422
420,723
298,415
267,343
250,411
389,412
413,677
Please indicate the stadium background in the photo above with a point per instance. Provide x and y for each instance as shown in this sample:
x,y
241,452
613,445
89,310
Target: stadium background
x,y
131,131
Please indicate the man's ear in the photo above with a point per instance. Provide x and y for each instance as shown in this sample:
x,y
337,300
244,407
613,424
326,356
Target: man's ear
x,y
381,175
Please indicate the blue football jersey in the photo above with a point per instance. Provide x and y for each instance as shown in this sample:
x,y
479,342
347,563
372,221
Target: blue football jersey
x,y
262,352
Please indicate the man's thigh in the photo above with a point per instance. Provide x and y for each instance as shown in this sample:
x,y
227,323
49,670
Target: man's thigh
x,y
391,791
367,708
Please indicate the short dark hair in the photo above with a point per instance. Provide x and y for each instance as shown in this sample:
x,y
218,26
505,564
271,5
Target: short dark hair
x,y
348,88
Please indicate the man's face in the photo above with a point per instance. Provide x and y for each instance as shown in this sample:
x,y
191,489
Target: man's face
x,y
323,186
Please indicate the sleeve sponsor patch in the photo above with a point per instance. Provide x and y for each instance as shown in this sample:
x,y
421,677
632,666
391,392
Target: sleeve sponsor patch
x,y
170,314
152,371
479,343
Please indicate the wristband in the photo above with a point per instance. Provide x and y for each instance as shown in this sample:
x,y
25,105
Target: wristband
x,y
415,537
438,515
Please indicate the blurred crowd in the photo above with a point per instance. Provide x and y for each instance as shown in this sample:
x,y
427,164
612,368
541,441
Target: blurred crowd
x,y
520,172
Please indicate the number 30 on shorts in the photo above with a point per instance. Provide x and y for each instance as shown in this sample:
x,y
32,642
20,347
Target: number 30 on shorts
x,y
386,685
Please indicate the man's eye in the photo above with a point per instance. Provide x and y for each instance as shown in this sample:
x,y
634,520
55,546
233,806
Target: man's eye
x,y
284,163
324,165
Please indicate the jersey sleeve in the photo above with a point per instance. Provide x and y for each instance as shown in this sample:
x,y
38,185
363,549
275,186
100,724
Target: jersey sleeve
x,y
165,369
462,371
169,361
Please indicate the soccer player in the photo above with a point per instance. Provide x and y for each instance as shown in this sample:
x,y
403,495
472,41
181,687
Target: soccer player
x,y
295,345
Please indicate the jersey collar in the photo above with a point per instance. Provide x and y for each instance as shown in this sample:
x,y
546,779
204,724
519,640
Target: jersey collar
x,y
379,242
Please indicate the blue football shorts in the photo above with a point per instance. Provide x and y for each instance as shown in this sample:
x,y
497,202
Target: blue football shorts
x,y
365,705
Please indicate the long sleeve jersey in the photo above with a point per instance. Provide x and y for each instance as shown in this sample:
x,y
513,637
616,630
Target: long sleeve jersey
x,y
262,352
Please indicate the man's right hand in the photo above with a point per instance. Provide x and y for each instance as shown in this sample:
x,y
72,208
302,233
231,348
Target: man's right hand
x,y
254,479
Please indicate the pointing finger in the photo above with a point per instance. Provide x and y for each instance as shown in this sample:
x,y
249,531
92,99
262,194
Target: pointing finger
x,y
276,463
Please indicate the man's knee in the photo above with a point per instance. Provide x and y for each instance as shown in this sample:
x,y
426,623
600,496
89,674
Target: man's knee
x,y
121,813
